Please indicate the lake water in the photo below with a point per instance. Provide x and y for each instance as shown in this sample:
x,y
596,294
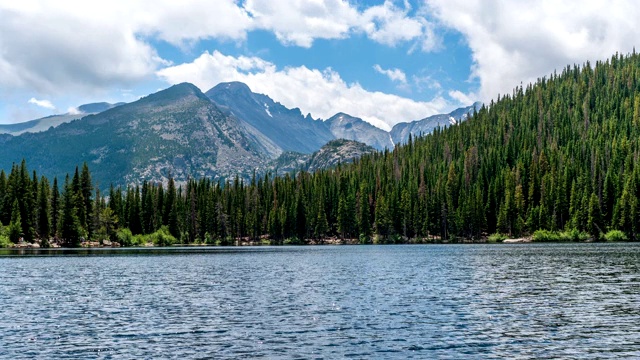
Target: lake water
x,y
436,301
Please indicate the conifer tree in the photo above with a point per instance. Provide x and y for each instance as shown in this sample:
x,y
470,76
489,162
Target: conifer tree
x,y
15,226
70,227
44,210
55,207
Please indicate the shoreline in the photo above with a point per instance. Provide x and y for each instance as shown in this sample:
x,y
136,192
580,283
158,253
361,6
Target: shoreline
x,y
309,242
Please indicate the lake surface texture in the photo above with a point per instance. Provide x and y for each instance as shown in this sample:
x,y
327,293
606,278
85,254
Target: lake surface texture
x,y
438,301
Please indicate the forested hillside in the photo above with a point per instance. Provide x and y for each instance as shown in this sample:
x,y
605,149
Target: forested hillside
x,y
559,154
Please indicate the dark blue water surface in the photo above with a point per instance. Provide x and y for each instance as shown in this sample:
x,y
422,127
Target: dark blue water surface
x,y
438,301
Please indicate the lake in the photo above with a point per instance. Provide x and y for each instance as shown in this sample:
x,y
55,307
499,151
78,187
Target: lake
x,y
520,301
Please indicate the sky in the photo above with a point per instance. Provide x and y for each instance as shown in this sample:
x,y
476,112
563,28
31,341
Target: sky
x,y
383,61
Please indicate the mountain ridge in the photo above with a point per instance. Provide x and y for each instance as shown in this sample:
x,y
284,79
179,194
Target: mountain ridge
x,y
177,130
180,130
44,123
270,118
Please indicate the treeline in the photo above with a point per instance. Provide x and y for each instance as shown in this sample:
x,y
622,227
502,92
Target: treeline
x,y
558,155
36,209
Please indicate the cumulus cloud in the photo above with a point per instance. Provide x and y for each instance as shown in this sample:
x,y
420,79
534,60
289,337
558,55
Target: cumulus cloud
x,y
300,22
388,24
461,98
319,92
392,74
52,48
520,41
42,103
55,47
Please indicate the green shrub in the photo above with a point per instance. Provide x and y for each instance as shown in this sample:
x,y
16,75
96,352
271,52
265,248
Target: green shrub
x,y
4,241
573,235
162,237
292,241
545,236
139,240
563,236
496,238
364,239
616,235
125,237
209,240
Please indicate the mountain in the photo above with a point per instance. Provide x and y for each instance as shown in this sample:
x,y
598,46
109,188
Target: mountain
x,y
334,152
280,129
401,131
45,123
560,154
99,107
38,125
556,160
344,126
337,152
264,118
226,132
177,130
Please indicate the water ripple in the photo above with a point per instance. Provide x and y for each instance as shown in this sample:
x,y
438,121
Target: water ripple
x,y
450,302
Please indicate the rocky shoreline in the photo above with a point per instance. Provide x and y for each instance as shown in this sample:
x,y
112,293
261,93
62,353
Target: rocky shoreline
x,y
314,242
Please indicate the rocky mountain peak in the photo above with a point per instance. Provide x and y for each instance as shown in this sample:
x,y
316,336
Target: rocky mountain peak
x,y
175,93
233,87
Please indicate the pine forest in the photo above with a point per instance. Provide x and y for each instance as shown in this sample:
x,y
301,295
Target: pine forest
x,y
554,159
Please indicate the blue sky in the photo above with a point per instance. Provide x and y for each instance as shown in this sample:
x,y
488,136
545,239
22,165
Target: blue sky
x,y
384,61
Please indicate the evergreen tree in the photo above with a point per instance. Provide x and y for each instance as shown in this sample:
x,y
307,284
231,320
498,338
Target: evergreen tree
x,y
301,217
382,217
322,226
15,226
70,227
44,211
55,207
86,188
364,224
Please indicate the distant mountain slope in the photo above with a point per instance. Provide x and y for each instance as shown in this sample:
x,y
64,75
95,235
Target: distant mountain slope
x,y
45,123
287,128
344,126
401,131
38,125
99,107
335,152
177,130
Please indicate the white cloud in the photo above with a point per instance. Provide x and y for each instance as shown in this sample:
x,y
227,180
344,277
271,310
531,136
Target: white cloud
x,y
52,48
321,93
520,41
300,22
42,103
462,98
392,74
72,110
388,24
76,45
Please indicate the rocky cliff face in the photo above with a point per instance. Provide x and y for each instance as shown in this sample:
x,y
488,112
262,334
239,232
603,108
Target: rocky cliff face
x,y
286,128
335,152
344,126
